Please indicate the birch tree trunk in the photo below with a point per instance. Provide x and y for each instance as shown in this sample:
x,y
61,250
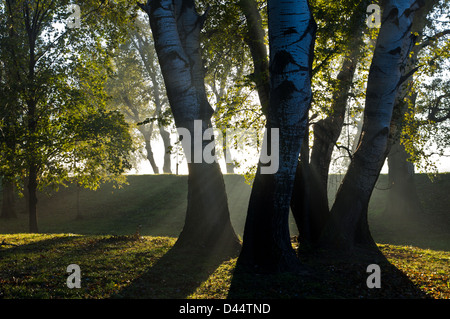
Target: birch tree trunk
x,y
176,30
348,223
314,213
326,134
266,244
403,201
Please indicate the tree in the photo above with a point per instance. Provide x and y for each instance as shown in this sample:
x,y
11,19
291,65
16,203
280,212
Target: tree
x,y
8,115
348,226
310,203
60,116
417,122
266,243
229,79
255,39
176,30
403,200
135,87
145,48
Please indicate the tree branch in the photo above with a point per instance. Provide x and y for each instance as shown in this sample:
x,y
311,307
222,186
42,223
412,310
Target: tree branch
x,y
432,113
432,39
145,7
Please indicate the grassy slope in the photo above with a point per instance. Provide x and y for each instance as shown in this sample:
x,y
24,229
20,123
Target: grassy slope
x,y
116,264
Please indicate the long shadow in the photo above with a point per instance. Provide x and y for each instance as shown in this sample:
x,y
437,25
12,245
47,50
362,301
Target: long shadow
x,y
176,275
327,279
51,257
65,252
36,247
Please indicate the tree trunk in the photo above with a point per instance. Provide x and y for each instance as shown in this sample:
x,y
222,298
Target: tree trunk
x,y
326,134
165,135
207,218
78,208
266,245
229,161
32,199
403,200
150,155
348,223
8,203
147,134
300,200
255,39
176,30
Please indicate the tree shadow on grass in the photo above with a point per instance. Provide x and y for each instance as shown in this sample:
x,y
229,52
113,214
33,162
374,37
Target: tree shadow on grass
x,y
328,278
38,269
176,275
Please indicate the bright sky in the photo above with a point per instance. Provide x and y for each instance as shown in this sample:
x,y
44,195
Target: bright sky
x,y
443,163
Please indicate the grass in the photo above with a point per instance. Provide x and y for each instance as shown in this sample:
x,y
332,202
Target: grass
x,y
37,267
118,262
146,267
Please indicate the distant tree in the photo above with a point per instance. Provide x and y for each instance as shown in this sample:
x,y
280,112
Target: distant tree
x,y
230,78
403,200
55,80
136,88
163,117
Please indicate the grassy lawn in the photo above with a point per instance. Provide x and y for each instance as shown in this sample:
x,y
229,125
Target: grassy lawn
x,y
118,262
130,267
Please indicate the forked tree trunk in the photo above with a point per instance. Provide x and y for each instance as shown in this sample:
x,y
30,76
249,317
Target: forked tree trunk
x,y
326,134
266,245
348,223
403,201
176,30
147,134
151,156
315,211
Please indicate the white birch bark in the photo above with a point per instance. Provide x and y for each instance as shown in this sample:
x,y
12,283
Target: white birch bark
x,y
392,48
173,61
291,37
176,30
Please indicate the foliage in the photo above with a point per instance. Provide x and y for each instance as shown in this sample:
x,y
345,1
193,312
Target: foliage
x,y
137,88
229,72
425,126
55,82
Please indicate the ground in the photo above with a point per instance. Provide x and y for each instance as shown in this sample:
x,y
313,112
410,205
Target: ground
x,y
124,246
